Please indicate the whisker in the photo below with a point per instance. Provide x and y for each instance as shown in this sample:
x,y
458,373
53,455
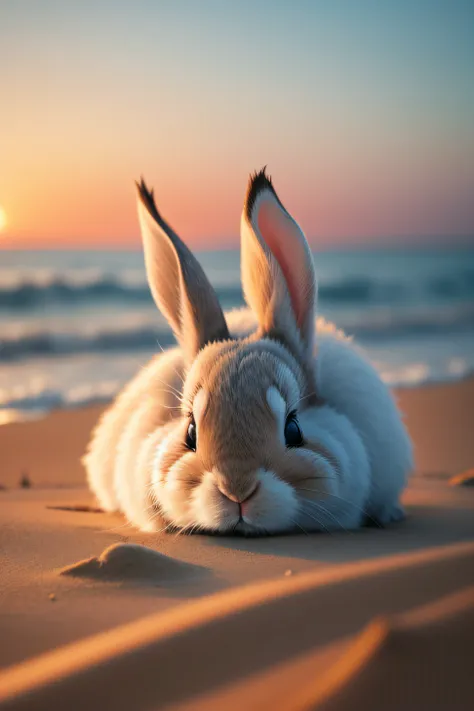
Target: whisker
x,y
114,529
329,513
183,480
165,528
311,478
175,371
317,521
347,501
189,528
181,531
172,389
297,402
300,527
152,507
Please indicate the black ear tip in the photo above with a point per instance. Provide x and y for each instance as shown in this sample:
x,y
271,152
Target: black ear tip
x,y
147,198
139,184
258,182
260,179
142,187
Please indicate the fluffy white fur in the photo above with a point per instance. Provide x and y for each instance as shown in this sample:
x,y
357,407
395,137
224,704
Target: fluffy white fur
x,y
360,425
357,455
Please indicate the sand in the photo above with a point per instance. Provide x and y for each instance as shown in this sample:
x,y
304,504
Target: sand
x,y
94,614
134,564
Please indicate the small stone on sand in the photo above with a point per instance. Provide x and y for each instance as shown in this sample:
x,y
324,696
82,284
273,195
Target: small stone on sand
x,y
52,597
25,481
288,573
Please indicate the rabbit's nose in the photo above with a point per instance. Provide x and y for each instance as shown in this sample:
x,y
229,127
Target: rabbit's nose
x,y
242,499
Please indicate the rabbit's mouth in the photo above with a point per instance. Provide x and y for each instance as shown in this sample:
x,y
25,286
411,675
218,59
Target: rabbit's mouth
x,y
242,529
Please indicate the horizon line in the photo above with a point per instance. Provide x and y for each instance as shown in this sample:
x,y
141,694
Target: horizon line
x,y
396,243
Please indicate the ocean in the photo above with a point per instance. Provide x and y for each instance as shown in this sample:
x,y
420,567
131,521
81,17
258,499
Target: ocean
x,y
76,325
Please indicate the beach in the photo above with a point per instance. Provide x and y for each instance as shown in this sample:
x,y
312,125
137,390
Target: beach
x,y
297,622
243,224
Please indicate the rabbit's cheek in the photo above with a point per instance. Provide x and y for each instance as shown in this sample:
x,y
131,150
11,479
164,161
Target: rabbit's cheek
x,y
174,503
174,495
313,471
210,509
274,507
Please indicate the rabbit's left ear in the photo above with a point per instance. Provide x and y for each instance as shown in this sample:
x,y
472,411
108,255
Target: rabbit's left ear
x,y
179,286
277,269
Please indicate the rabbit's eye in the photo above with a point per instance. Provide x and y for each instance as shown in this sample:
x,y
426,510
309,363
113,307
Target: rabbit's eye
x,y
191,435
293,433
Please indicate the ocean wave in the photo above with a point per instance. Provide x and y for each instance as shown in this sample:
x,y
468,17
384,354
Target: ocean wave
x,y
30,294
49,344
143,334
130,287
394,325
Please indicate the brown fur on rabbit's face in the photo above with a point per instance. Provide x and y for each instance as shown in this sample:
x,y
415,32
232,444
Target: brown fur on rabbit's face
x,y
242,476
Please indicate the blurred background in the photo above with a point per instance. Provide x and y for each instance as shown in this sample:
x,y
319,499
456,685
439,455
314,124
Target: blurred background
x,y
363,113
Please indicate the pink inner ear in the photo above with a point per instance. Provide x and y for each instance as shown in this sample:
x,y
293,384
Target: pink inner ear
x,y
284,240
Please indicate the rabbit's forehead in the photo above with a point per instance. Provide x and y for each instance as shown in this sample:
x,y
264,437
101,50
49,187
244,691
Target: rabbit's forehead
x,y
246,386
239,376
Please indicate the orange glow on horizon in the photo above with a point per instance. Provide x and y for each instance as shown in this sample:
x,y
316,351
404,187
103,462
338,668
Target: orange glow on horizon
x,y
3,219
206,210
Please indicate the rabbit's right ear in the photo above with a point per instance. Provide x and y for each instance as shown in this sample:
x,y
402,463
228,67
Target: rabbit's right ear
x,y
177,281
277,269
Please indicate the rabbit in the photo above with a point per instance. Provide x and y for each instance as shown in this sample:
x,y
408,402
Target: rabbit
x,y
264,420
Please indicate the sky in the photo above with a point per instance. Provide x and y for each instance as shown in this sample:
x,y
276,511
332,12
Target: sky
x,y
363,112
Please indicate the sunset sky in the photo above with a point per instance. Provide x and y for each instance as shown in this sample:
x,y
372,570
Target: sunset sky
x,y
363,112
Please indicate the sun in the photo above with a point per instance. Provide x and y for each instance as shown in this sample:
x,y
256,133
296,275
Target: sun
x,y
3,219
